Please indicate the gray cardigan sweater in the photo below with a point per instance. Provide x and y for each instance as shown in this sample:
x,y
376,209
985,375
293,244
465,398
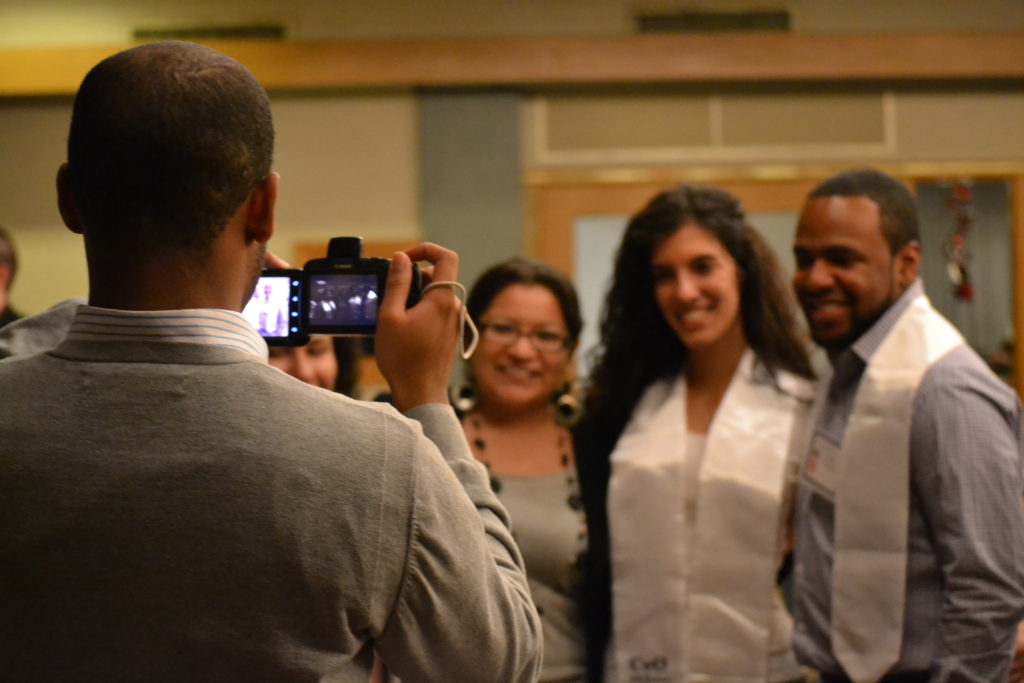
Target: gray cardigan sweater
x,y
178,512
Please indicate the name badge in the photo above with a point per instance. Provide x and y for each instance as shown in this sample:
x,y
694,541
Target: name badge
x,y
821,468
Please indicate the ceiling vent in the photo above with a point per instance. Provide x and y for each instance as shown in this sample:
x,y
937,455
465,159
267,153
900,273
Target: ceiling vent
x,y
686,21
251,32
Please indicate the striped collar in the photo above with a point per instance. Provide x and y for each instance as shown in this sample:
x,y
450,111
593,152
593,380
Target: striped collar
x,y
209,326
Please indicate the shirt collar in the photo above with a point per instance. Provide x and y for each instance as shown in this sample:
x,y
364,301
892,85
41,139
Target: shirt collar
x,y
867,344
208,326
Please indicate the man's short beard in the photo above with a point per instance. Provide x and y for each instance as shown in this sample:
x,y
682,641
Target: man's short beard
x,y
856,332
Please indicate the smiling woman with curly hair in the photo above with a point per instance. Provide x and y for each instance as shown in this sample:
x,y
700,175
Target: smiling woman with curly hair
x,y
701,377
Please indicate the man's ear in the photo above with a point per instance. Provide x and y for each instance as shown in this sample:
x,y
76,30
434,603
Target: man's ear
x,y
907,263
66,201
259,220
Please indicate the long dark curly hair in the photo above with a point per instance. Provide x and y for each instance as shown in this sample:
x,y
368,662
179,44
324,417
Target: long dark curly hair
x,y
638,347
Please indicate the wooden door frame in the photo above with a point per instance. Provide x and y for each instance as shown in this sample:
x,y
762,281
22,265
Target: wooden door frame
x,y
555,198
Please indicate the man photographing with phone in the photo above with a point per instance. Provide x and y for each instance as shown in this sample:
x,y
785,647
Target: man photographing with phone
x,y
173,508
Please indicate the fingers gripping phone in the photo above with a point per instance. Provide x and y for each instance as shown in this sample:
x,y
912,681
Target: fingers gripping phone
x,y
339,295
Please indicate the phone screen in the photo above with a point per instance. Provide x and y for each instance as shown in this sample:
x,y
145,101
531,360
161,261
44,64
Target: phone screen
x,y
343,300
275,306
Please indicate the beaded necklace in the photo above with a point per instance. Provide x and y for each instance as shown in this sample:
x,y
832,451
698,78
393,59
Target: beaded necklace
x,y
573,498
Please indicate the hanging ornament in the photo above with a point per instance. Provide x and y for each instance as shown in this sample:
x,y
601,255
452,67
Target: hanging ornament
x,y
961,205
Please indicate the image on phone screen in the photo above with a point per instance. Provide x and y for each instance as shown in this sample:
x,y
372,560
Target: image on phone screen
x,y
273,308
349,299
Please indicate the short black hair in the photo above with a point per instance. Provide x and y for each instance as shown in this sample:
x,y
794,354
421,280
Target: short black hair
x,y
167,140
520,271
896,205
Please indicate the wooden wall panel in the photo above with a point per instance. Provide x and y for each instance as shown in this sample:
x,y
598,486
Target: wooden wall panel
x,y
1017,216
563,60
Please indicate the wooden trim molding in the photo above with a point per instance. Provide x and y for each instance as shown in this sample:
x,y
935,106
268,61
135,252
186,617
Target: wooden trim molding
x,y
539,61
719,173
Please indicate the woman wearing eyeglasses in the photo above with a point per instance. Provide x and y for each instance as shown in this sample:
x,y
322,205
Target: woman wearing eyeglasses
x,y
693,415
516,409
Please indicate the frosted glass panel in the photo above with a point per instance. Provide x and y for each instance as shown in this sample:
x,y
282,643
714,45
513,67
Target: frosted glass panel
x,y
778,228
596,239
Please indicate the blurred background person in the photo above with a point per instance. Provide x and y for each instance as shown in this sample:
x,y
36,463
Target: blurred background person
x,y
701,381
328,362
8,267
516,408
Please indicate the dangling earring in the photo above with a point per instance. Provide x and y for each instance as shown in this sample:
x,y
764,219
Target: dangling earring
x,y
463,398
565,407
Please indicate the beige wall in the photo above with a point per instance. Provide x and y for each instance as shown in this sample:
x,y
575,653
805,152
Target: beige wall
x,y
349,162
348,167
52,265
54,22
806,124
968,124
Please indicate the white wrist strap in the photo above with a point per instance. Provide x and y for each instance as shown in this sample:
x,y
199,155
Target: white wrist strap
x,y
464,319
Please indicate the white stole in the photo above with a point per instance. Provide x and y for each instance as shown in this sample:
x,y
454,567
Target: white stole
x,y
872,504
706,612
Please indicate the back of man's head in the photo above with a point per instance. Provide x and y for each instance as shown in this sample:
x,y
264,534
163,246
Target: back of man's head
x,y
8,261
167,140
896,205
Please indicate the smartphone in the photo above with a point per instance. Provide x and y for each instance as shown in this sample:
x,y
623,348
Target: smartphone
x,y
339,295
275,309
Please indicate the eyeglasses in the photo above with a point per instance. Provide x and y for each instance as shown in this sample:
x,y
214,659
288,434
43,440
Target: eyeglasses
x,y
507,335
